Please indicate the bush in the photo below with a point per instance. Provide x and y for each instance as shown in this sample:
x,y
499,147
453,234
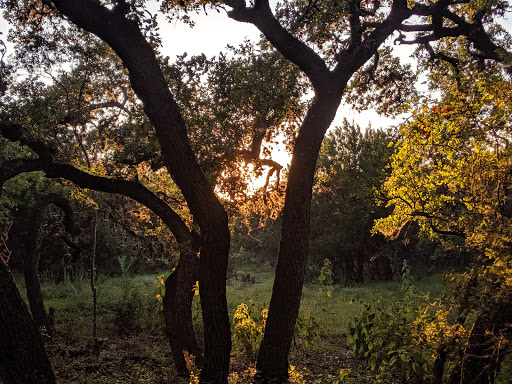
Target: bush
x,y
383,335
249,329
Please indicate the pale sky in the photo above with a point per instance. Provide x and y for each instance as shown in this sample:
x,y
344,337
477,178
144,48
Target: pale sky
x,y
213,31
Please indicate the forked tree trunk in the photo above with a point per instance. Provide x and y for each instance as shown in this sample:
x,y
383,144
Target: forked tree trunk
x,y
22,355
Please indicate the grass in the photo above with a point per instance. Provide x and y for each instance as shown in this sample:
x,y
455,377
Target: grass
x,y
332,314
134,348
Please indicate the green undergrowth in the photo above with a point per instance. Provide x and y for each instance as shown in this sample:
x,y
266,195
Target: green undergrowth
x,y
133,347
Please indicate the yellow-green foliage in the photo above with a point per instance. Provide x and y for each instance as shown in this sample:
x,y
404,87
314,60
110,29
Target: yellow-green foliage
x,y
247,332
325,279
192,369
451,175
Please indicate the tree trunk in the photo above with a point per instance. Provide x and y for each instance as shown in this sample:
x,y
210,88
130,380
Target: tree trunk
x,y
33,285
178,310
30,270
487,346
148,82
213,267
22,355
359,271
32,256
272,363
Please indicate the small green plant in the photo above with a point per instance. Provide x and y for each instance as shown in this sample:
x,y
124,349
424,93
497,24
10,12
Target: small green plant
x,y
325,279
306,329
125,264
383,335
136,312
127,316
159,287
248,331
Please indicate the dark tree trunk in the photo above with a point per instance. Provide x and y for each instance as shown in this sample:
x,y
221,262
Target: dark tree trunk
x,y
31,273
149,84
329,86
272,361
32,256
22,355
34,295
483,355
178,310
386,272
439,364
359,272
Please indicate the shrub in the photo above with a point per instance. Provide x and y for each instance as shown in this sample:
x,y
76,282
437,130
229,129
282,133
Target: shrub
x,y
383,335
249,329
136,312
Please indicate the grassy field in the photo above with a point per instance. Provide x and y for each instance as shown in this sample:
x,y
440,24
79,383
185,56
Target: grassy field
x,y
134,349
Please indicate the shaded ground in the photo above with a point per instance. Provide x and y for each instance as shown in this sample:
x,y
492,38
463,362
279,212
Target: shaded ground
x,y
143,359
147,359
133,348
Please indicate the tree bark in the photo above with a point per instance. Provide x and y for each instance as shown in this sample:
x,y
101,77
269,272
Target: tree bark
x,y
22,355
32,256
178,310
272,361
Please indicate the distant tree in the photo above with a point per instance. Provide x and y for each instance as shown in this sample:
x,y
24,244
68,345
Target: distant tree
x,y
351,167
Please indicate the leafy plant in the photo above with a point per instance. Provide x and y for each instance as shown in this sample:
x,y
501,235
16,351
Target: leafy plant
x,y
125,263
248,332
383,335
136,312
127,319
325,279
306,329
159,287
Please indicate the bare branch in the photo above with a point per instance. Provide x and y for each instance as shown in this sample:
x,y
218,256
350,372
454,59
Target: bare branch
x,y
292,48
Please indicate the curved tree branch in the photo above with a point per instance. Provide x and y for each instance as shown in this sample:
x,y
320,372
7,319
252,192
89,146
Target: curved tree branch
x,y
179,294
292,48
12,168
